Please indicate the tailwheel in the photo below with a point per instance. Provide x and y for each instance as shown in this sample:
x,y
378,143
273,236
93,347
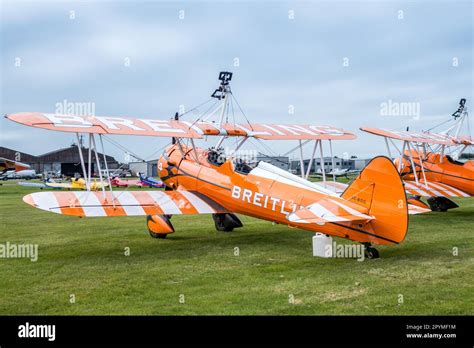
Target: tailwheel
x,y
159,226
370,252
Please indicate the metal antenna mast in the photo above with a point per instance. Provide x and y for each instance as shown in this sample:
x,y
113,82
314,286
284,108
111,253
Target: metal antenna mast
x,y
221,93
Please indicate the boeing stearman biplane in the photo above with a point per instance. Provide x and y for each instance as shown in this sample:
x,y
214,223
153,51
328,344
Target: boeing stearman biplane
x,y
426,168
372,209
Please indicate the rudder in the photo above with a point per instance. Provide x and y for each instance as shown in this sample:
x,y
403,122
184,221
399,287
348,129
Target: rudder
x,y
379,189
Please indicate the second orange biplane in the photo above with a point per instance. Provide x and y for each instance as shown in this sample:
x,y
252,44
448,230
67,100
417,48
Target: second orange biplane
x,y
427,169
372,209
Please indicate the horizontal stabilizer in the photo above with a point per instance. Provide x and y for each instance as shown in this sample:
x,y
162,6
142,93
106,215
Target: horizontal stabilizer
x,y
124,203
414,209
339,187
328,210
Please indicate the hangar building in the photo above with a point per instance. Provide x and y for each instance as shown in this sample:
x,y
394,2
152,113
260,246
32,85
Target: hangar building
x,y
65,160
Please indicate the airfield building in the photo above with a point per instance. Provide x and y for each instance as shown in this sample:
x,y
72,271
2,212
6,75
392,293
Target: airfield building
x,y
339,163
148,168
65,161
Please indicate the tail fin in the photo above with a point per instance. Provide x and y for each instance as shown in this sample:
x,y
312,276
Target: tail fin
x,y
380,190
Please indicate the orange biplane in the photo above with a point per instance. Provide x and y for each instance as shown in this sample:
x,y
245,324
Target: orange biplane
x,y
372,209
426,168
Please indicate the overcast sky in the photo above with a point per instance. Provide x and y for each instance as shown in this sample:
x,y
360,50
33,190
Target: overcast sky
x,y
335,62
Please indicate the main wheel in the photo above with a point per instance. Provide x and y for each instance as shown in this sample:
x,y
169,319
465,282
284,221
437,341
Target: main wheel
x,y
157,235
151,222
220,224
226,222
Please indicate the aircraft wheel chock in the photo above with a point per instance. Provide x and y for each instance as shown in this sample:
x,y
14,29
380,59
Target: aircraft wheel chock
x,y
159,226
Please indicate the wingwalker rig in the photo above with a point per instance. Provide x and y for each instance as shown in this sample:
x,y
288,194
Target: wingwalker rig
x,y
372,209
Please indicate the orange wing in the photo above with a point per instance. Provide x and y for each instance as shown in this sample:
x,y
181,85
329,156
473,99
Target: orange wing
x,y
171,128
429,138
124,203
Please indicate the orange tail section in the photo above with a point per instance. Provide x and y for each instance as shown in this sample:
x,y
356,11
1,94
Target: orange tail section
x,y
380,190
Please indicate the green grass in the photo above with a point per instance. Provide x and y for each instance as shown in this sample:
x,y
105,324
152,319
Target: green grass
x,y
85,257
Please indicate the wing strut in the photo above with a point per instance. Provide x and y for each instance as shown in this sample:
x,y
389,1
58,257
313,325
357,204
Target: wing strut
x,y
106,168
332,161
98,166
312,158
301,159
82,161
323,167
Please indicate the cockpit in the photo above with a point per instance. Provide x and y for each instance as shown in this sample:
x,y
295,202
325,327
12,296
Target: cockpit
x,y
216,157
241,167
453,161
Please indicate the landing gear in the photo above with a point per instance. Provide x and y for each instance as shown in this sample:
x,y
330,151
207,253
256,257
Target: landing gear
x,y
226,222
370,252
159,226
157,235
441,203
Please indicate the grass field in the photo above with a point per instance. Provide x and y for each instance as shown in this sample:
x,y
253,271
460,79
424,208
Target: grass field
x,y
275,273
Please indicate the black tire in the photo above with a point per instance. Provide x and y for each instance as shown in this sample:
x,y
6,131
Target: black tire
x,y
158,235
371,253
222,228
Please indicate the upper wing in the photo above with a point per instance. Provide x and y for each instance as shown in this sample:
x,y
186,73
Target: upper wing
x,y
433,189
465,140
328,210
429,138
124,203
171,128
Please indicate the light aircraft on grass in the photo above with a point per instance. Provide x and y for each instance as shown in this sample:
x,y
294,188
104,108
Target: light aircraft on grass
x,y
373,209
339,172
118,182
74,184
151,182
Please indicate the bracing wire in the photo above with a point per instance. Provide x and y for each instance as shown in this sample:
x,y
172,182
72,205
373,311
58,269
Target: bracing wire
x,y
242,111
205,112
195,108
123,148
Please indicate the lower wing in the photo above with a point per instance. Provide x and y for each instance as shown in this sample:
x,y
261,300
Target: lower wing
x,y
124,203
433,189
